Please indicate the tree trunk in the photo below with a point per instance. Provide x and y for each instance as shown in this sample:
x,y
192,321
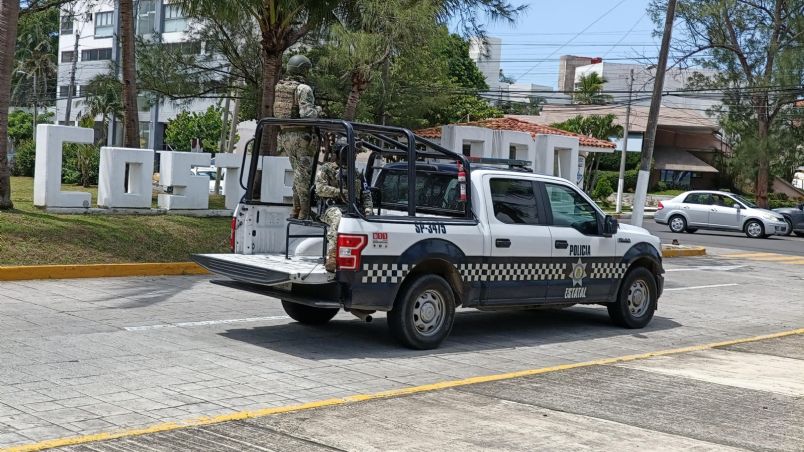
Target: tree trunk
x,y
379,113
763,164
272,65
9,14
358,86
131,132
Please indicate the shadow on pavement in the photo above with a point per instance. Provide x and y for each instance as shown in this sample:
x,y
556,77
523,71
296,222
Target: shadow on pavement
x,y
473,331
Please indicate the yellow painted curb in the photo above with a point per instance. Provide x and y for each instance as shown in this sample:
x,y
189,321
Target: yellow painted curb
x,y
683,252
23,272
236,416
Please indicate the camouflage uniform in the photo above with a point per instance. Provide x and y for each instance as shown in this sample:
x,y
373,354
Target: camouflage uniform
x,y
294,99
326,188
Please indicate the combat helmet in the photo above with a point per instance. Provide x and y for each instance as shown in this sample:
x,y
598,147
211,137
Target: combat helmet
x,y
298,65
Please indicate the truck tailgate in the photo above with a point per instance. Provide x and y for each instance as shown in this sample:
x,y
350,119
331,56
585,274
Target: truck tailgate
x,y
266,269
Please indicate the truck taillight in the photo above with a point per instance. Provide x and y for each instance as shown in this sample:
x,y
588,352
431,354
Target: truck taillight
x,y
349,249
232,236
661,206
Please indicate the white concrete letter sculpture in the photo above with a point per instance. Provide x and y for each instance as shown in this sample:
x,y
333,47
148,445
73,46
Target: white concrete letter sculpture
x,y
231,182
47,169
189,191
112,174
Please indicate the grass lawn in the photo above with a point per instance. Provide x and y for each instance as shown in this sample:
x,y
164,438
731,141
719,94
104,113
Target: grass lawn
x,y
29,236
667,192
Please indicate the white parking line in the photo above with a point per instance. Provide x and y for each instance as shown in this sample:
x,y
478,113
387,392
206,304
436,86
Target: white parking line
x,y
701,287
204,323
723,268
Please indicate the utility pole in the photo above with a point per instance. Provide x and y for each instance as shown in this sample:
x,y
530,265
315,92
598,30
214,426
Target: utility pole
x,y
641,192
621,180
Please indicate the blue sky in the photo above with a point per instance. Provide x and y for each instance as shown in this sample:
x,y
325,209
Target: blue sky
x,y
618,30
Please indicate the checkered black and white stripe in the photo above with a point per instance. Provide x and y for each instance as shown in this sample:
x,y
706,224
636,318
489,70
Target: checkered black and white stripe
x,y
512,272
607,270
385,273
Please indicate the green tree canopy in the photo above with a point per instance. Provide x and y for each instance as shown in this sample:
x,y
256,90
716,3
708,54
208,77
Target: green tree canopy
x,y
189,125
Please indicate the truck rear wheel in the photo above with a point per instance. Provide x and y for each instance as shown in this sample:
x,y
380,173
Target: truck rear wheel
x,y
636,300
308,315
423,313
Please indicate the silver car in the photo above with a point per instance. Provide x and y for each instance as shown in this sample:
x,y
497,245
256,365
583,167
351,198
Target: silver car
x,y
719,210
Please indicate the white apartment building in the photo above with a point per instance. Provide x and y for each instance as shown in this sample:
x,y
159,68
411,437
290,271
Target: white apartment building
x,y
94,24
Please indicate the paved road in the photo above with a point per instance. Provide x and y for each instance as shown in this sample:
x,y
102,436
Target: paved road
x,y
103,355
775,244
742,397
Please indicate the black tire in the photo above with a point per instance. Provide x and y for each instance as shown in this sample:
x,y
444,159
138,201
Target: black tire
x,y
430,295
692,230
799,234
628,314
789,226
308,315
677,224
751,230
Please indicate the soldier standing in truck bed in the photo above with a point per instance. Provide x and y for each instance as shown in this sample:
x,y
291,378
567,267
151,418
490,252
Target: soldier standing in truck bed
x,y
335,195
294,99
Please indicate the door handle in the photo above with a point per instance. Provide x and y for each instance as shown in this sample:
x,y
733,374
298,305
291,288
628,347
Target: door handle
x,y
502,243
561,244
685,207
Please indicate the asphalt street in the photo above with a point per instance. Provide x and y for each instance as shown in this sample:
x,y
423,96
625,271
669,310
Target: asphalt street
x,y
99,356
774,244
742,397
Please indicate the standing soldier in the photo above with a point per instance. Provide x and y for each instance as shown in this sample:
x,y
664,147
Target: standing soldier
x,y
294,99
335,196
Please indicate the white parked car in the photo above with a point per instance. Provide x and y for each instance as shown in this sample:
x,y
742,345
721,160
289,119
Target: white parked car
x,y
718,210
209,171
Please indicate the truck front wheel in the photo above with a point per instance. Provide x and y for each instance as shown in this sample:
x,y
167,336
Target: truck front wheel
x,y
636,299
308,315
423,313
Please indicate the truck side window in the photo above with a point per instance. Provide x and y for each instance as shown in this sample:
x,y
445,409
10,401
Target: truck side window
x,y
570,209
514,201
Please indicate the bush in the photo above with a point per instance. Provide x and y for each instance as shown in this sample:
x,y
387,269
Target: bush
x,y
661,186
602,189
24,159
81,163
778,196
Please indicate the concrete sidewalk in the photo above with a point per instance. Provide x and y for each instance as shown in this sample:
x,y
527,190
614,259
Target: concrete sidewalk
x,y
748,396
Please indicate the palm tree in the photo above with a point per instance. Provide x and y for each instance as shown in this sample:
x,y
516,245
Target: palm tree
x,y
601,127
589,90
104,99
131,127
379,31
9,14
35,64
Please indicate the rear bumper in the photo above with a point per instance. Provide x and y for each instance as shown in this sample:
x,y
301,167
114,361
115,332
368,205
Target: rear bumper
x,y
324,296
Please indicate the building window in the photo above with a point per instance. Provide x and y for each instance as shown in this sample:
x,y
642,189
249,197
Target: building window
x,y
104,24
175,20
184,48
67,56
146,11
96,54
64,91
66,25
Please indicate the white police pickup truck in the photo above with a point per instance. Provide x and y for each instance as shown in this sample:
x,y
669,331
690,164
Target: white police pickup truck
x,y
462,235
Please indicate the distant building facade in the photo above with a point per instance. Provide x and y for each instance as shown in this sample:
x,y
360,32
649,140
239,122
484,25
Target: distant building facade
x,y
95,25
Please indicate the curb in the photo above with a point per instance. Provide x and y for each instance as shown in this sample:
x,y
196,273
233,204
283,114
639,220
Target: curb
x,y
24,272
678,251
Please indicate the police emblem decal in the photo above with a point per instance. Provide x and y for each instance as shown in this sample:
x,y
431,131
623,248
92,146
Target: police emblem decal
x,y
578,273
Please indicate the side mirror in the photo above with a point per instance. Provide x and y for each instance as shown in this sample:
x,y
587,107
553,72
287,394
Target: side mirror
x,y
610,226
737,206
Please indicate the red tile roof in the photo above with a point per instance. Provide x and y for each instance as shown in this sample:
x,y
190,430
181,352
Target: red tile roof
x,y
520,126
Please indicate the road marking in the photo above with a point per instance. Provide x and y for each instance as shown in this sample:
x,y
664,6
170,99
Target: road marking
x,y
702,287
750,254
723,268
768,257
241,415
204,323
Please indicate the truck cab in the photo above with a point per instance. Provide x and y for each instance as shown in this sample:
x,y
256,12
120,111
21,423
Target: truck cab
x,y
489,235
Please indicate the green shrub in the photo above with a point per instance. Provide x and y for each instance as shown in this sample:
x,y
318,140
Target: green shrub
x,y
602,189
778,203
24,159
661,186
81,163
778,196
